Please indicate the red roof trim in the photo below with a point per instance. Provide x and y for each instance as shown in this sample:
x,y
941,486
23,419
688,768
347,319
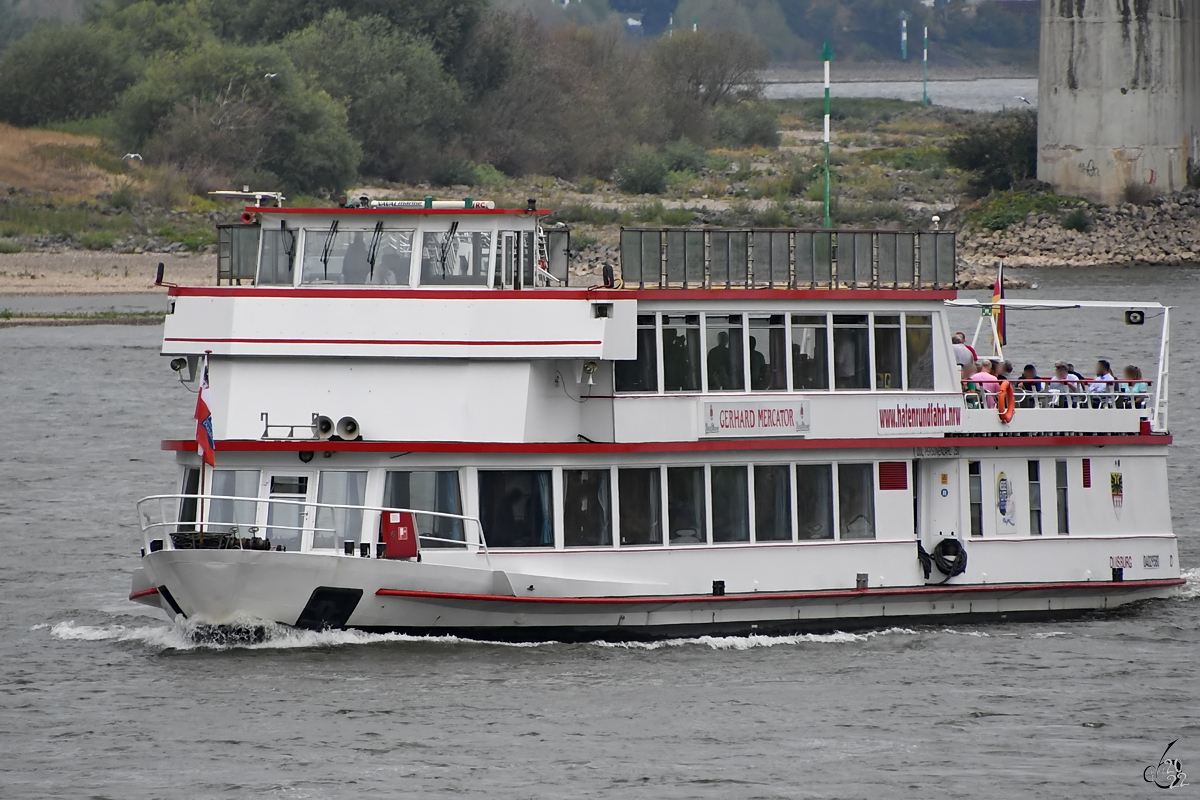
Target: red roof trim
x,y
727,295
395,342
776,596
520,212
717,445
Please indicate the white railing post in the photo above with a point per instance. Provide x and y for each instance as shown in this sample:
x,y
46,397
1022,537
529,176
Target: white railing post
x,y
1159,423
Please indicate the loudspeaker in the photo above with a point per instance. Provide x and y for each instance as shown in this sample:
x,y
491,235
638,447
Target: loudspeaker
x,y
322,427
1135,317
347,428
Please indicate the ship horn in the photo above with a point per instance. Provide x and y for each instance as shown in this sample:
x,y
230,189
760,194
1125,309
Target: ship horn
x,y
322,427
347,428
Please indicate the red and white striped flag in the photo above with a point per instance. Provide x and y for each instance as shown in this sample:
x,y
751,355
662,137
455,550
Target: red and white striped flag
x,y
206,444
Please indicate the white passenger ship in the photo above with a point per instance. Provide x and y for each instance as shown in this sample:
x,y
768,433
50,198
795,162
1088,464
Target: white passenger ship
x,y
420,427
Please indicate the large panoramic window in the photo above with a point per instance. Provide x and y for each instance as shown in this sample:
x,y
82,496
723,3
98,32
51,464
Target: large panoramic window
x,y
685,505
516,508
851,352
888,374
681,353
587,508
814,501
641,506
234,483
428,490
641,375
856,501
285,520
725,360
772,503
278,257
337,525
918,334
768,354
730,504
455,260
810,352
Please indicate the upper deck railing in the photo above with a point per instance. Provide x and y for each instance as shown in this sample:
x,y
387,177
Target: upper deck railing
x,y
776,258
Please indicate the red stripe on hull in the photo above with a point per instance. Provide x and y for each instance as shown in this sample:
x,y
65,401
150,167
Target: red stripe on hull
x,y
143,593
720,445
776,596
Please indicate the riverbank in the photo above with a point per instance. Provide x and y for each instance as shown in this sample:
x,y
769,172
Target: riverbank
x,y
89,272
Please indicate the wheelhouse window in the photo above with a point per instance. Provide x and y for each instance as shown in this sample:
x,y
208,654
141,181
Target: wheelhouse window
x,y
234,483
641,505
285,520
455,259
278,258
814,501
681,353
685,505
587,508
641,375
516,508
730,504
428,490
725,360
888,374
851,351
772,503
337,525
810,352
856,501
768,354
376,256
918,336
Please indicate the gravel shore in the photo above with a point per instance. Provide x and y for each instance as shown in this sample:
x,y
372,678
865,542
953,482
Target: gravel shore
x,y
85,272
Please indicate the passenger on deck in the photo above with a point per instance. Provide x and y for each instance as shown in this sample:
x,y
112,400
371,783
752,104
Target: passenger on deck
x,y
964,356
1064,388
986,381
1031,385
1135,386
1101,387
355,266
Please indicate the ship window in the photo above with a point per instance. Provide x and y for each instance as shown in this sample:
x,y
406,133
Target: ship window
x,y
730,505
888,375
810,352
1060,484
685,505
814,500
641,506
587,508
725,371
768,354
516,508
336,525
640,375
851,352
187,505
428,491
1035,499
856,501
285,521
772,503
460,259
975,487
918,334
681,353
278,257
234,483
389,258
324,253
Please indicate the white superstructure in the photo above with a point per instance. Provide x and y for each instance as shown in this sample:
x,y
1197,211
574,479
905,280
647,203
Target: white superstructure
x,y
758,430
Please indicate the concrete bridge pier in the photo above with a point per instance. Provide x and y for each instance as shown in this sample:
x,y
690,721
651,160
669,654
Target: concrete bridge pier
x,y
1118,96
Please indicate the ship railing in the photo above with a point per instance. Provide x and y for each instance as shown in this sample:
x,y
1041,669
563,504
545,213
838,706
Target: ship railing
x,y
1074,393
786,258
186,521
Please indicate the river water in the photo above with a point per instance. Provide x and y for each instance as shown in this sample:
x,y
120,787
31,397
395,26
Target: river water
x,y
982,94
104,699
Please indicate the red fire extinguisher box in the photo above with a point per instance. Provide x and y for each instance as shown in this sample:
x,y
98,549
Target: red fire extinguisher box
x,y
398,530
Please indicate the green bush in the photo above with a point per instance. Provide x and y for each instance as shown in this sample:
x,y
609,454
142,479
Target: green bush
x,y
999,154
124,197
582,240
645,173
8,247
1077,220
97,240
56,74
678,216
684,156
746,125
455,173
589,214
1001,209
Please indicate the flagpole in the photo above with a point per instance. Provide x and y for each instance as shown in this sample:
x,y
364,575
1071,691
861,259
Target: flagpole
x,y
827,56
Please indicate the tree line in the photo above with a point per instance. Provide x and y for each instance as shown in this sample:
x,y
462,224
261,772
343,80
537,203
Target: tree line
x,y
312,95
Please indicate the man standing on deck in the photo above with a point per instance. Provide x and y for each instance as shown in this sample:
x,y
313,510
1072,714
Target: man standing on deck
x,y
963,354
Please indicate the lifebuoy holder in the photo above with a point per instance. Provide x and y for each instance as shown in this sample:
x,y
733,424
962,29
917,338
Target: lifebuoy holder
x,y
1006,404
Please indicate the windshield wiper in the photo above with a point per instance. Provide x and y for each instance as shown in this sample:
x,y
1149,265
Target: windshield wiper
x,y
328,247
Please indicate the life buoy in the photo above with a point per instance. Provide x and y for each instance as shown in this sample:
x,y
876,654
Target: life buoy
x,y
247,218
1005,403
